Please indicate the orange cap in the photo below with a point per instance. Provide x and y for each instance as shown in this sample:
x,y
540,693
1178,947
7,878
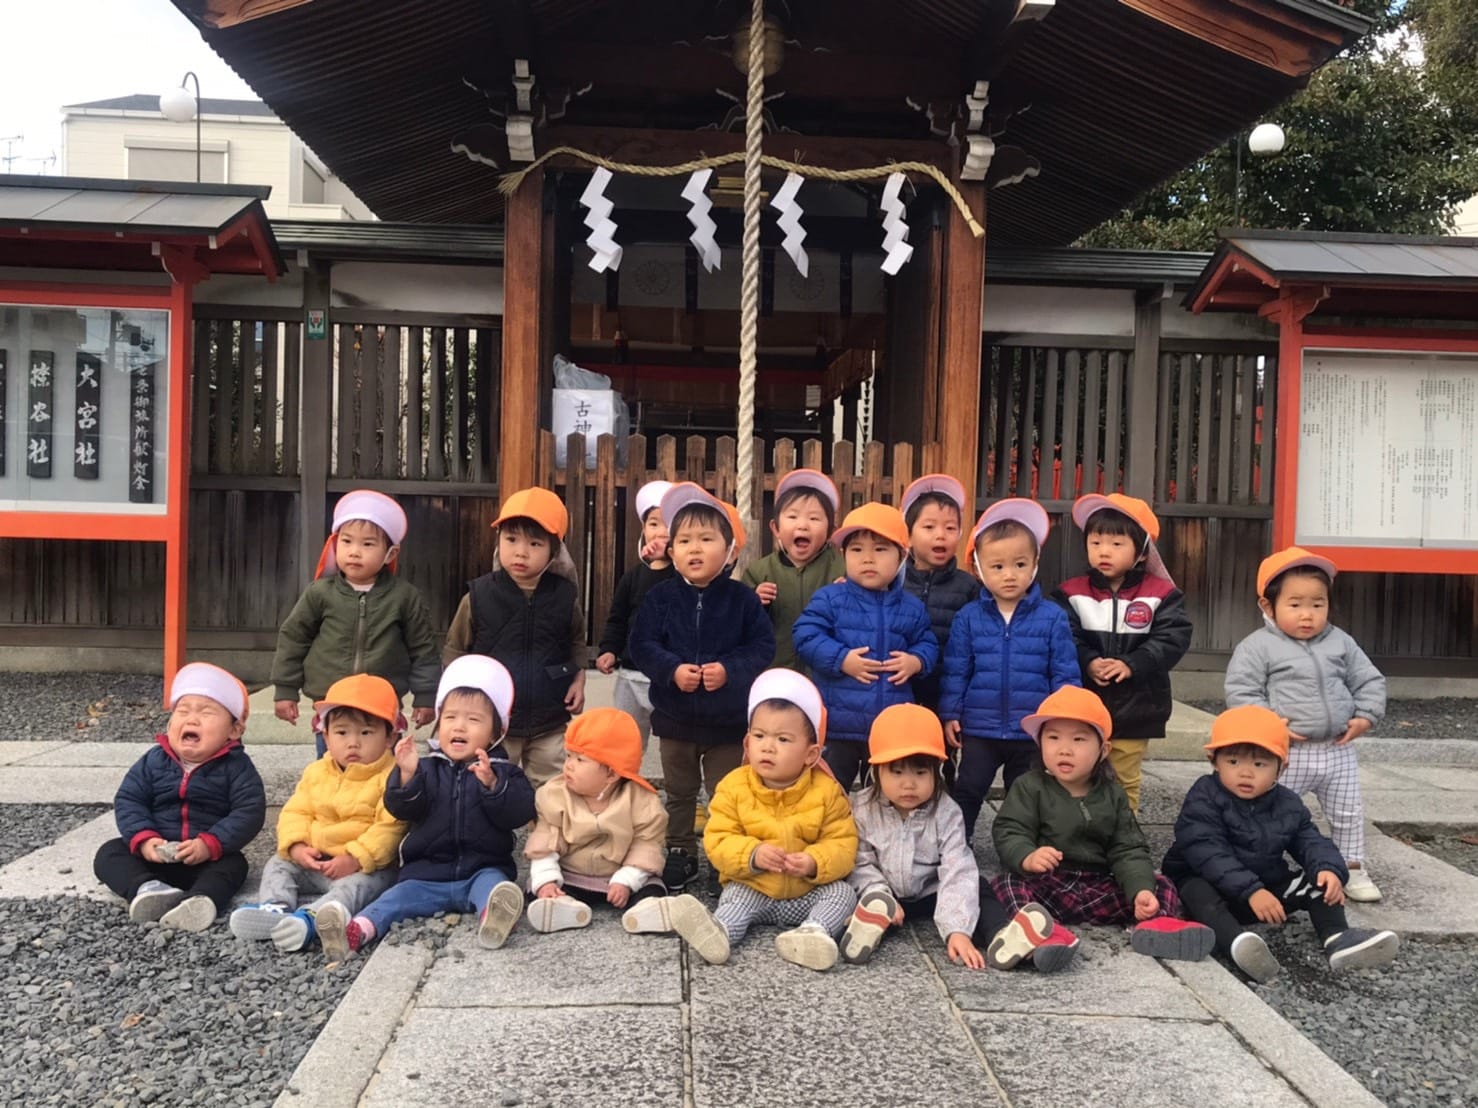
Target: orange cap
x,y
903,729
736,523
1251,723
1283,560
1133,507
370,694
608,736
880,519
1070,702
539,505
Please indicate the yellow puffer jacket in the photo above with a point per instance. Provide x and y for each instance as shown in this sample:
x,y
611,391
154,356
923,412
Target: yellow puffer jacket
x,y
342,811
811,816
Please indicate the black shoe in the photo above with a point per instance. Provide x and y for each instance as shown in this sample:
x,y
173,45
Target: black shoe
x,y
680,869
1357,948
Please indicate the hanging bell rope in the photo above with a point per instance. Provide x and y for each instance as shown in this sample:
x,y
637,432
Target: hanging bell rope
x,y
749,289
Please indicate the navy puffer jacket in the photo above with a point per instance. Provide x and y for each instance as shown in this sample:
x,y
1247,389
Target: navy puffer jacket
x,y
996,673
944,592
838,620
458,825
1239,845
222,803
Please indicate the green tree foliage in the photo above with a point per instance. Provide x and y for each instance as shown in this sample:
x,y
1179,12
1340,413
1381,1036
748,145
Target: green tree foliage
x,y
1382,139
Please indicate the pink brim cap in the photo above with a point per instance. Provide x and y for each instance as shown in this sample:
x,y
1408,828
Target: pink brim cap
x,y
810,479
650,496
1086,505
204,679
1033,725
487,675
941,483
685,493
1028,513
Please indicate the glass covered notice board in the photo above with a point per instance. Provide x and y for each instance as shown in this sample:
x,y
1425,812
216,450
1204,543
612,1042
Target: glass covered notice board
x,y
1388,450
84,409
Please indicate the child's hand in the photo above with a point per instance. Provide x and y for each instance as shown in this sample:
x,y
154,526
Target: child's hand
x,y
575,698
1108,671
687,677
1334,888
149,852
1294,736
286,710
767,858
549,890
903,666
1146,905
483,770
304,856
340,867
420,717
606,662
952,734
855,665
192,852
898,916
1267,907
799,864
715,676
1357,727
407,758
617,895
653,550
961,949
767,591
1044,859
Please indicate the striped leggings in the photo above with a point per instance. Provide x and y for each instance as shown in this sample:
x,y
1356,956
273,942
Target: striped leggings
x,y
740,907
1331,773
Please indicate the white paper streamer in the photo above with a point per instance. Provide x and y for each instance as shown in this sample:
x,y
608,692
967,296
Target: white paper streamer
x,y
695,192
602,227
790,222
895,227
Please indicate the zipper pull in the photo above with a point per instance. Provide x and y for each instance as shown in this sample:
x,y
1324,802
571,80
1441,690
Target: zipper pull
x,y
1083,805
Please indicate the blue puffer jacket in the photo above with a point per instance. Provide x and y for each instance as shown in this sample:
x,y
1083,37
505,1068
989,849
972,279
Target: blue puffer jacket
x,y
1238,845
944,592
996,673
222,803
844,616
458,826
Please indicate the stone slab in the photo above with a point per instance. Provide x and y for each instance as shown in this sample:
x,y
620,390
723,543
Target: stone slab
x,y
46,785
12,752
599,964
286,759
1457,779
1422,895
765,1031
62,868
1300,1063
1427,752
342,1060
1416,806
1149,1063
532,1056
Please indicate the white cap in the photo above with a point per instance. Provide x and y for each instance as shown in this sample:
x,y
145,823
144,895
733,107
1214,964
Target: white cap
x,y
941,483
487,675
788,685
810,479
1017,509
650,496
372,507
204,679
685,493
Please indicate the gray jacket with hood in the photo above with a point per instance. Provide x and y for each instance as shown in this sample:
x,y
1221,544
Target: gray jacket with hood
x,y
1317,684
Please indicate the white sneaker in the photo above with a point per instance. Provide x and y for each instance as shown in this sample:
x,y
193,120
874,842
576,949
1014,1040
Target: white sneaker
x,y
194,914
557,913
685,915
152,901
1360,888
504,906
1253,957
807,945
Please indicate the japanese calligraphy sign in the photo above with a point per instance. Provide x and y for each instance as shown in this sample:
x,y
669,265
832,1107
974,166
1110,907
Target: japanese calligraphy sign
x,y
87,406
40,415
141,435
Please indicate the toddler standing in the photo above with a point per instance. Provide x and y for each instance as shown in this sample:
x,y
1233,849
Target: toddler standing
x,y
933,508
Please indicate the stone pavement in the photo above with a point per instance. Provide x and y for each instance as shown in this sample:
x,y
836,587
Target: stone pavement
x,y
599,1016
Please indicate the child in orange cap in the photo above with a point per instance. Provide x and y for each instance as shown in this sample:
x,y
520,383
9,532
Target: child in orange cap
x,y
913,860
1068,841
1316,677
865,639
187,809
1234,831
335,839
526,613
358,616
600,829
1130,625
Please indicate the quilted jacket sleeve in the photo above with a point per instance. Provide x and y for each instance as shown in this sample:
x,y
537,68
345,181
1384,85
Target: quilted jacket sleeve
x,y
958,667
836,852
724,840
1366,683
246,811
376,845
295,821
920,635
293,640
1247,673
1314,851
815,634
132,805
1201,836
1062,653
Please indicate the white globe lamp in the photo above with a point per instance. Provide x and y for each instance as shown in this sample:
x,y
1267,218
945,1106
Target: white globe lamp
x,y
177,105
1266,139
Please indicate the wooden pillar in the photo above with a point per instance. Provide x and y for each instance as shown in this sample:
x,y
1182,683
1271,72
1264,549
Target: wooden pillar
x,y
177,492
962,299
1144,393
315,408
526,293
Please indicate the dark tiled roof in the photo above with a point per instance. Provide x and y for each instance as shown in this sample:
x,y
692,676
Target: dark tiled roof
x,y
141,102
1349,258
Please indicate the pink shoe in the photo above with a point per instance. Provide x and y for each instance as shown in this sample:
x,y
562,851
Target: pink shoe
x,y
1177,940
1057,950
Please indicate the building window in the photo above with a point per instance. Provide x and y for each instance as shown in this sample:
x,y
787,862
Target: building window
x,y
313,190
152,163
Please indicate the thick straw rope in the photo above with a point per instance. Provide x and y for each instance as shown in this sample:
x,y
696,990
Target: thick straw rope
x,y
749,294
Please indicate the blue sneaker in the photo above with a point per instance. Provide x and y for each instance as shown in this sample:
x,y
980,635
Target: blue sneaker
x,y
295,931
254,922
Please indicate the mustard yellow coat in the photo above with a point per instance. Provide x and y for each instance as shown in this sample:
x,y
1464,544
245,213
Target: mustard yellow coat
x,y
342,811
811,816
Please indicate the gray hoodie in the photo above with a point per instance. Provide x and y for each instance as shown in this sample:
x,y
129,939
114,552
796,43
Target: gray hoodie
x,y
1317,684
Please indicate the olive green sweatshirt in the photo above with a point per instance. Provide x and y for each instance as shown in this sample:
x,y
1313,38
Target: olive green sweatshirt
x,y
795,586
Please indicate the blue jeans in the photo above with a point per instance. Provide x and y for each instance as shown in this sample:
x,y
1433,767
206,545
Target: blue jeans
x,y
318,743
416,899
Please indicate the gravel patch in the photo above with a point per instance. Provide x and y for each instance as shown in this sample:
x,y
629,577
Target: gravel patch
x,y
1458,849
82,707
1443,718
28,827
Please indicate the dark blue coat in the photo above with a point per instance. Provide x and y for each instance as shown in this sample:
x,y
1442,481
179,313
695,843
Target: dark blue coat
x,y
838,620
1239,845
996,673
678,624
222,803
457,825
944,592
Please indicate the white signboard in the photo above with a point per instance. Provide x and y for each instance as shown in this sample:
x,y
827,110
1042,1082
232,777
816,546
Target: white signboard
x,y
1388,450
591,412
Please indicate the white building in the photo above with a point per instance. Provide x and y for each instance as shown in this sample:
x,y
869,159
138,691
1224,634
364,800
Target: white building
x,y
241,142
1466,220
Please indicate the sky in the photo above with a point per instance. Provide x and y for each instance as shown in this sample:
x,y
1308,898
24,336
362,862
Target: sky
x,y
70,51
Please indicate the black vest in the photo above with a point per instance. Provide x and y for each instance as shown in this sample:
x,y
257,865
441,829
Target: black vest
x,y
531,636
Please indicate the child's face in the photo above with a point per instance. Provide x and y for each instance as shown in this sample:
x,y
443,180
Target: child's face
x,y
465,726
654,534
199,728
354,742
872,561
905,786
1244,776
779,745
699,551
800,530
1302,610
1112,555
935,536
361,551
1070,751
585,776
525,556
1007,566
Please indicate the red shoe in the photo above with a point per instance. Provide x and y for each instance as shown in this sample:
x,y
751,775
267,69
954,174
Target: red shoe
x,y
1028,929
1173,939
1057,950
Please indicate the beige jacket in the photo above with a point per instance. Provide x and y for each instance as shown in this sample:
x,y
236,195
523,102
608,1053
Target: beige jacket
x,y
622,844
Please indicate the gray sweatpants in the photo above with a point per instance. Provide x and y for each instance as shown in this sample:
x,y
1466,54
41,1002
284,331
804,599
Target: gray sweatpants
x,y
739,907
282,881
633,696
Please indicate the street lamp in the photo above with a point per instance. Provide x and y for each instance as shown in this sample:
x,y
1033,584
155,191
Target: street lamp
x,y
178,105
1265,140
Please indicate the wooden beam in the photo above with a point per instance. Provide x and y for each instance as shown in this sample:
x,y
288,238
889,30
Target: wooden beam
x,y
524,288
960,342
228,13
1144,394
1271,34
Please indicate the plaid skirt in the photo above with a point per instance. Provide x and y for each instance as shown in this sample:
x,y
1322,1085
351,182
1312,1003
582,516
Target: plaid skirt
x,y
1081,896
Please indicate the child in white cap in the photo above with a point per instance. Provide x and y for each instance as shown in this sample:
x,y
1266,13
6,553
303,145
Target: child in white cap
x,y
358,616
464,801
633,693
187,808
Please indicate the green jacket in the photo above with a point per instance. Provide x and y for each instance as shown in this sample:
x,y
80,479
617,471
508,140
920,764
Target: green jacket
x,y
334,631
1096,832
795,587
